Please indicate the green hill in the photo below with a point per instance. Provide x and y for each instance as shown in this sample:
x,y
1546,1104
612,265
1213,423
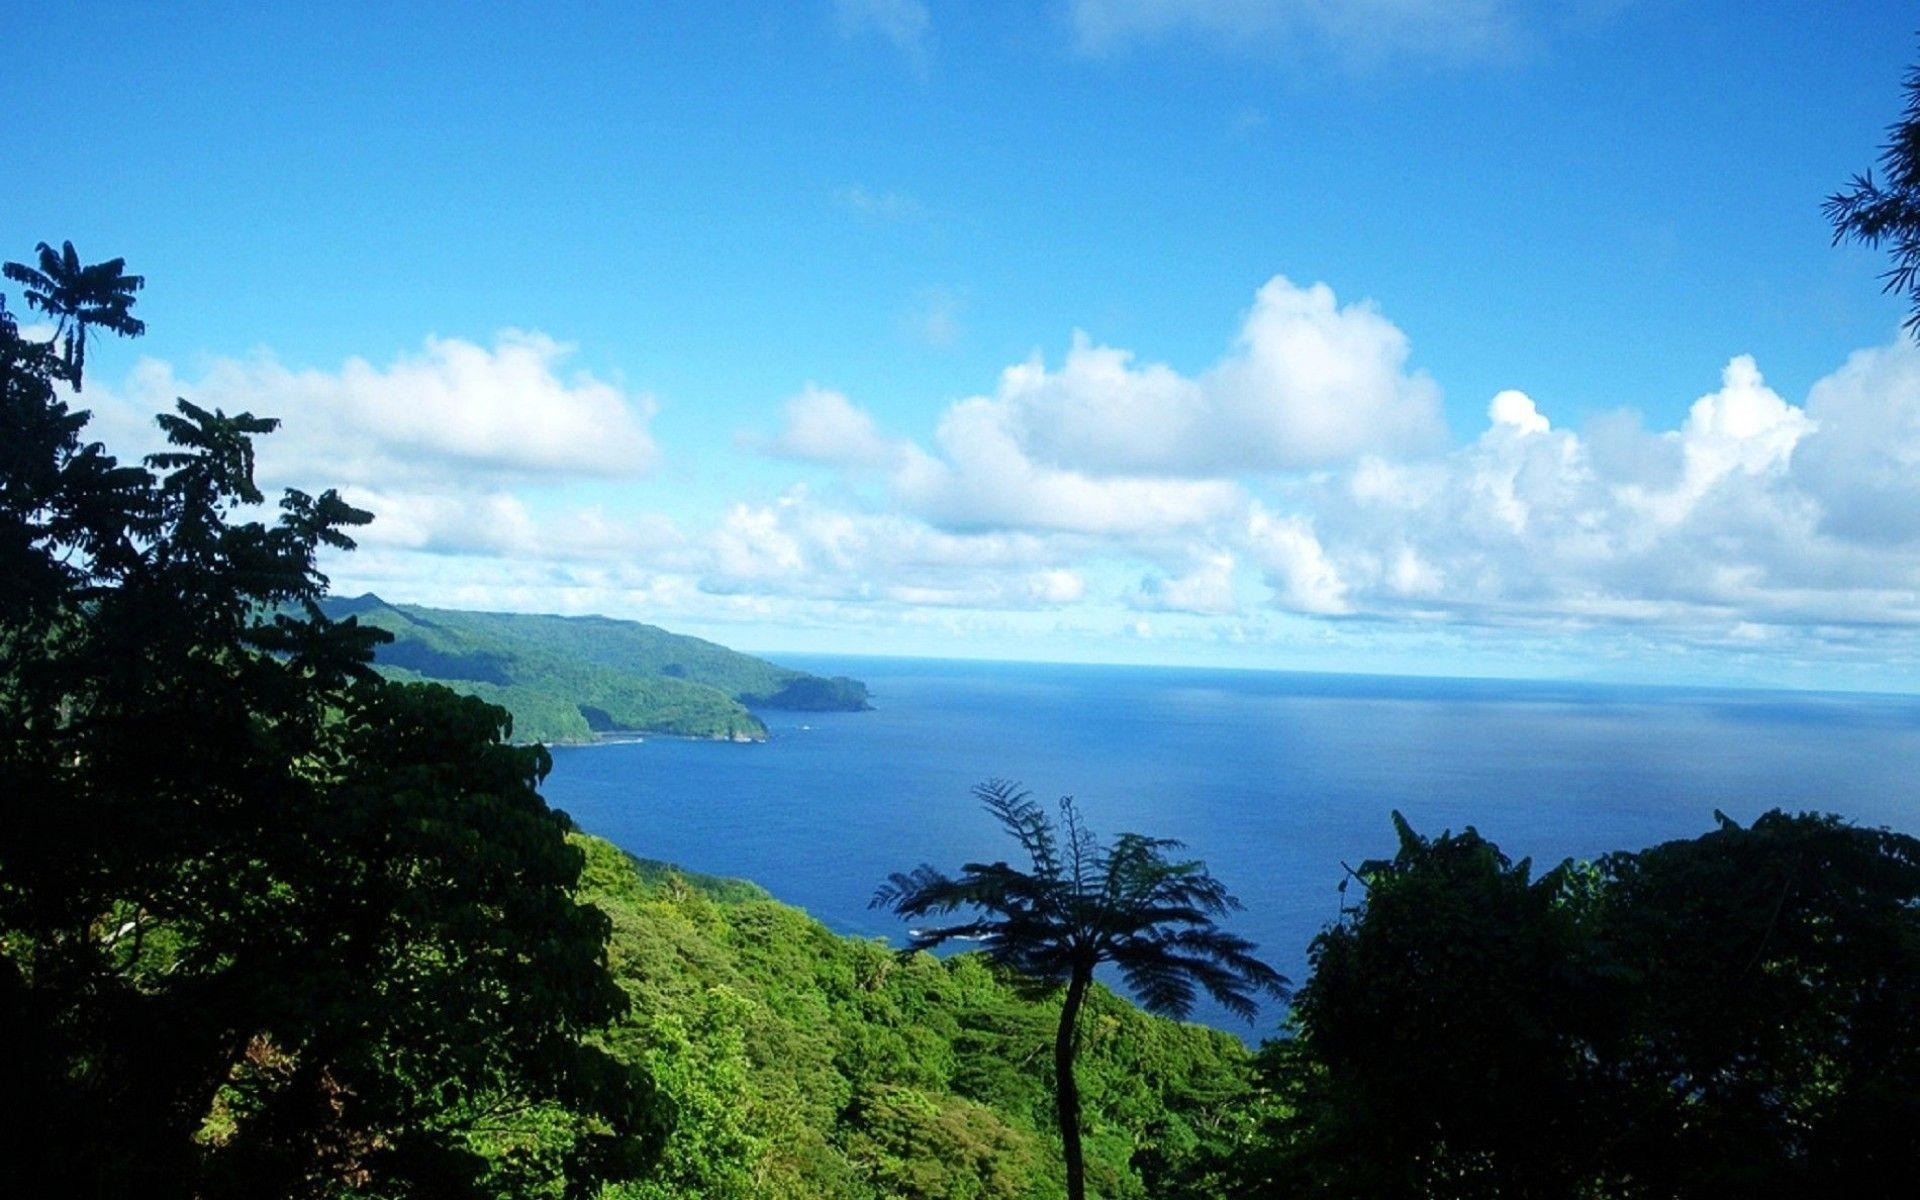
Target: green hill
x,y
569,679
805,1065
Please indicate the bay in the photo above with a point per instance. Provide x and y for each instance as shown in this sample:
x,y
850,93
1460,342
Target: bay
x,y
1274,779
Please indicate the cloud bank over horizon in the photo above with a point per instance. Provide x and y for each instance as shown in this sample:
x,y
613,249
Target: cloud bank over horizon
x,y
1297,495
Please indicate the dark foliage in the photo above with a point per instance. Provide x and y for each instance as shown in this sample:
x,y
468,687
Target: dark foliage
x,y
1735,1015
79,297
268,924
1886,211
810,693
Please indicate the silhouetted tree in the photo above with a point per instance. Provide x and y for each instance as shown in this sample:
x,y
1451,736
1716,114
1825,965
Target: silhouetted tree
x,y
1733,1015
1441,1043
79,297
269,925
1082,904
1887,211
1772,1008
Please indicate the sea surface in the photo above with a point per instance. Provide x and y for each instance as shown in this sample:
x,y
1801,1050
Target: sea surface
x,y
1274,779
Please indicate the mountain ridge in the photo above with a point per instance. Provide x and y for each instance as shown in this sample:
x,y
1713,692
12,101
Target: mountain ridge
x,y
577,679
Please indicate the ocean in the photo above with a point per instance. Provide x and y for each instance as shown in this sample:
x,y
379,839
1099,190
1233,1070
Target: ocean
x,y
1274,779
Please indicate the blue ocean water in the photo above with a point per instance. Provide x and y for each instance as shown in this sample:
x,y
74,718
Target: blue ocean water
x,y
1273,779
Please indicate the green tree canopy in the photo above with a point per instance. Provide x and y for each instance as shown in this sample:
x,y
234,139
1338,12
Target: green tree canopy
x,y
268,925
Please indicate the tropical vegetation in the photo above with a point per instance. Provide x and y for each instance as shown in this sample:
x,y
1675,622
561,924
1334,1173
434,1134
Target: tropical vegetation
x,y
801,1064
79,297
1084,904
572,679
278,919
269,924
1886,212
1732,1015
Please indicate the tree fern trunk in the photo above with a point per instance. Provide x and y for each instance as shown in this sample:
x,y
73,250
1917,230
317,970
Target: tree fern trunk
x,y
1066,1092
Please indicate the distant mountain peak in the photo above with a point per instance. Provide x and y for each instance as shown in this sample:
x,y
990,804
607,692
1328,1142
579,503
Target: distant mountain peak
x,y
343,606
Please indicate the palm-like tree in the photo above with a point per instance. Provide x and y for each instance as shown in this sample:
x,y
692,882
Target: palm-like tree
x,y
79,297
1083,904
1887,211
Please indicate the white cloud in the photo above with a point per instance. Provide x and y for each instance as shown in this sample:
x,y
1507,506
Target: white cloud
x,y
1863,459
1206,589
1352,32
823,426
1303,578
449,448
1306,456
1744,427
1106,446
1307,383
797,547
1753,511
1295,478
1312,382
456,410
499,523
986,480
1058,586
1516,411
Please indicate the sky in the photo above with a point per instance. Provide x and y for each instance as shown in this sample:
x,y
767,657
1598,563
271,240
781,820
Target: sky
x,y
1490,338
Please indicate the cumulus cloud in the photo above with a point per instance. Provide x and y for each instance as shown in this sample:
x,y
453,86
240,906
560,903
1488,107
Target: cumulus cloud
x,y
1206,589
1307,383
986,479
1863,458
446,447
1297,568
1753,525
1107,445
1312,382
1754,511
798,547
453,410
1354,32
823,426
1303,467
500,524
1297,476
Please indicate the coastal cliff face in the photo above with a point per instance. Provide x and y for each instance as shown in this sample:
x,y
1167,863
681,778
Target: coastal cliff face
x,y
568,680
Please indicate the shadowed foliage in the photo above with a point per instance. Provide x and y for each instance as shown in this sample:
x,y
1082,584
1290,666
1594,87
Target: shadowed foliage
x,y
1886,211
78,298
1733,1015
269,924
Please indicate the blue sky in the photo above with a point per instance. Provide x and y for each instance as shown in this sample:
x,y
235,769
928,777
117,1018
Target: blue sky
x,y
1137,330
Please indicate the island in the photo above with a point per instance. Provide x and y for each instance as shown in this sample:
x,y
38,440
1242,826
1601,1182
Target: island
x,y
569,680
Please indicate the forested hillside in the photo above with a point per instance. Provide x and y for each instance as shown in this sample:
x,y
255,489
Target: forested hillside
x,y
568,679
807,1065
